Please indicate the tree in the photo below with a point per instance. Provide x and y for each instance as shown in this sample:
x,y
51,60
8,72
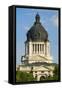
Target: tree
x,y
24,76
56,72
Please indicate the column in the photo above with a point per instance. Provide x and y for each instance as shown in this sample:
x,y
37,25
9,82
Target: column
x,y
40,49
37,48
47,50
30,48
44,49
26,49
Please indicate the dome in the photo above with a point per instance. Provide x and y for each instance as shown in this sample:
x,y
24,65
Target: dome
x,y
37,31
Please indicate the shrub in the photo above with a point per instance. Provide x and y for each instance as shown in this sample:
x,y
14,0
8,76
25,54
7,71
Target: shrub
x,y
24,76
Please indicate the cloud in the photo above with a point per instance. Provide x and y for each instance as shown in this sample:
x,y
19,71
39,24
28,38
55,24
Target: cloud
x,y
54,20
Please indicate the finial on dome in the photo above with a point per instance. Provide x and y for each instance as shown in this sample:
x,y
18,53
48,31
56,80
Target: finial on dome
x,y
37,18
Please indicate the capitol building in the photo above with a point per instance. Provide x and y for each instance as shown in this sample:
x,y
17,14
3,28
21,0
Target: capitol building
x,y
37,56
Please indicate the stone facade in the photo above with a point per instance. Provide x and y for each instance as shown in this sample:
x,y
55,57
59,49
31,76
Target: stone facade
x,y
37,52
38,70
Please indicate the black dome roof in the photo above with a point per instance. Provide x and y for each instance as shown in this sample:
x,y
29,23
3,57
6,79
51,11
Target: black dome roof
x,y
37,31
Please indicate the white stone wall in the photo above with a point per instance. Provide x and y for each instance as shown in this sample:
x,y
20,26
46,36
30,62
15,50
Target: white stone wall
x,y
38,71
36,56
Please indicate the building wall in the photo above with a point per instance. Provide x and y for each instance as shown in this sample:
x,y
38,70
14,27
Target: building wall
x,y
38,71
34,52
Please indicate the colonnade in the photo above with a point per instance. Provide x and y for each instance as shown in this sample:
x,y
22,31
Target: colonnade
x,y
38,48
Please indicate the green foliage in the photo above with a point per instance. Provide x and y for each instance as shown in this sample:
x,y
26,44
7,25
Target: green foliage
x,y
24,76
27,77
56,71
